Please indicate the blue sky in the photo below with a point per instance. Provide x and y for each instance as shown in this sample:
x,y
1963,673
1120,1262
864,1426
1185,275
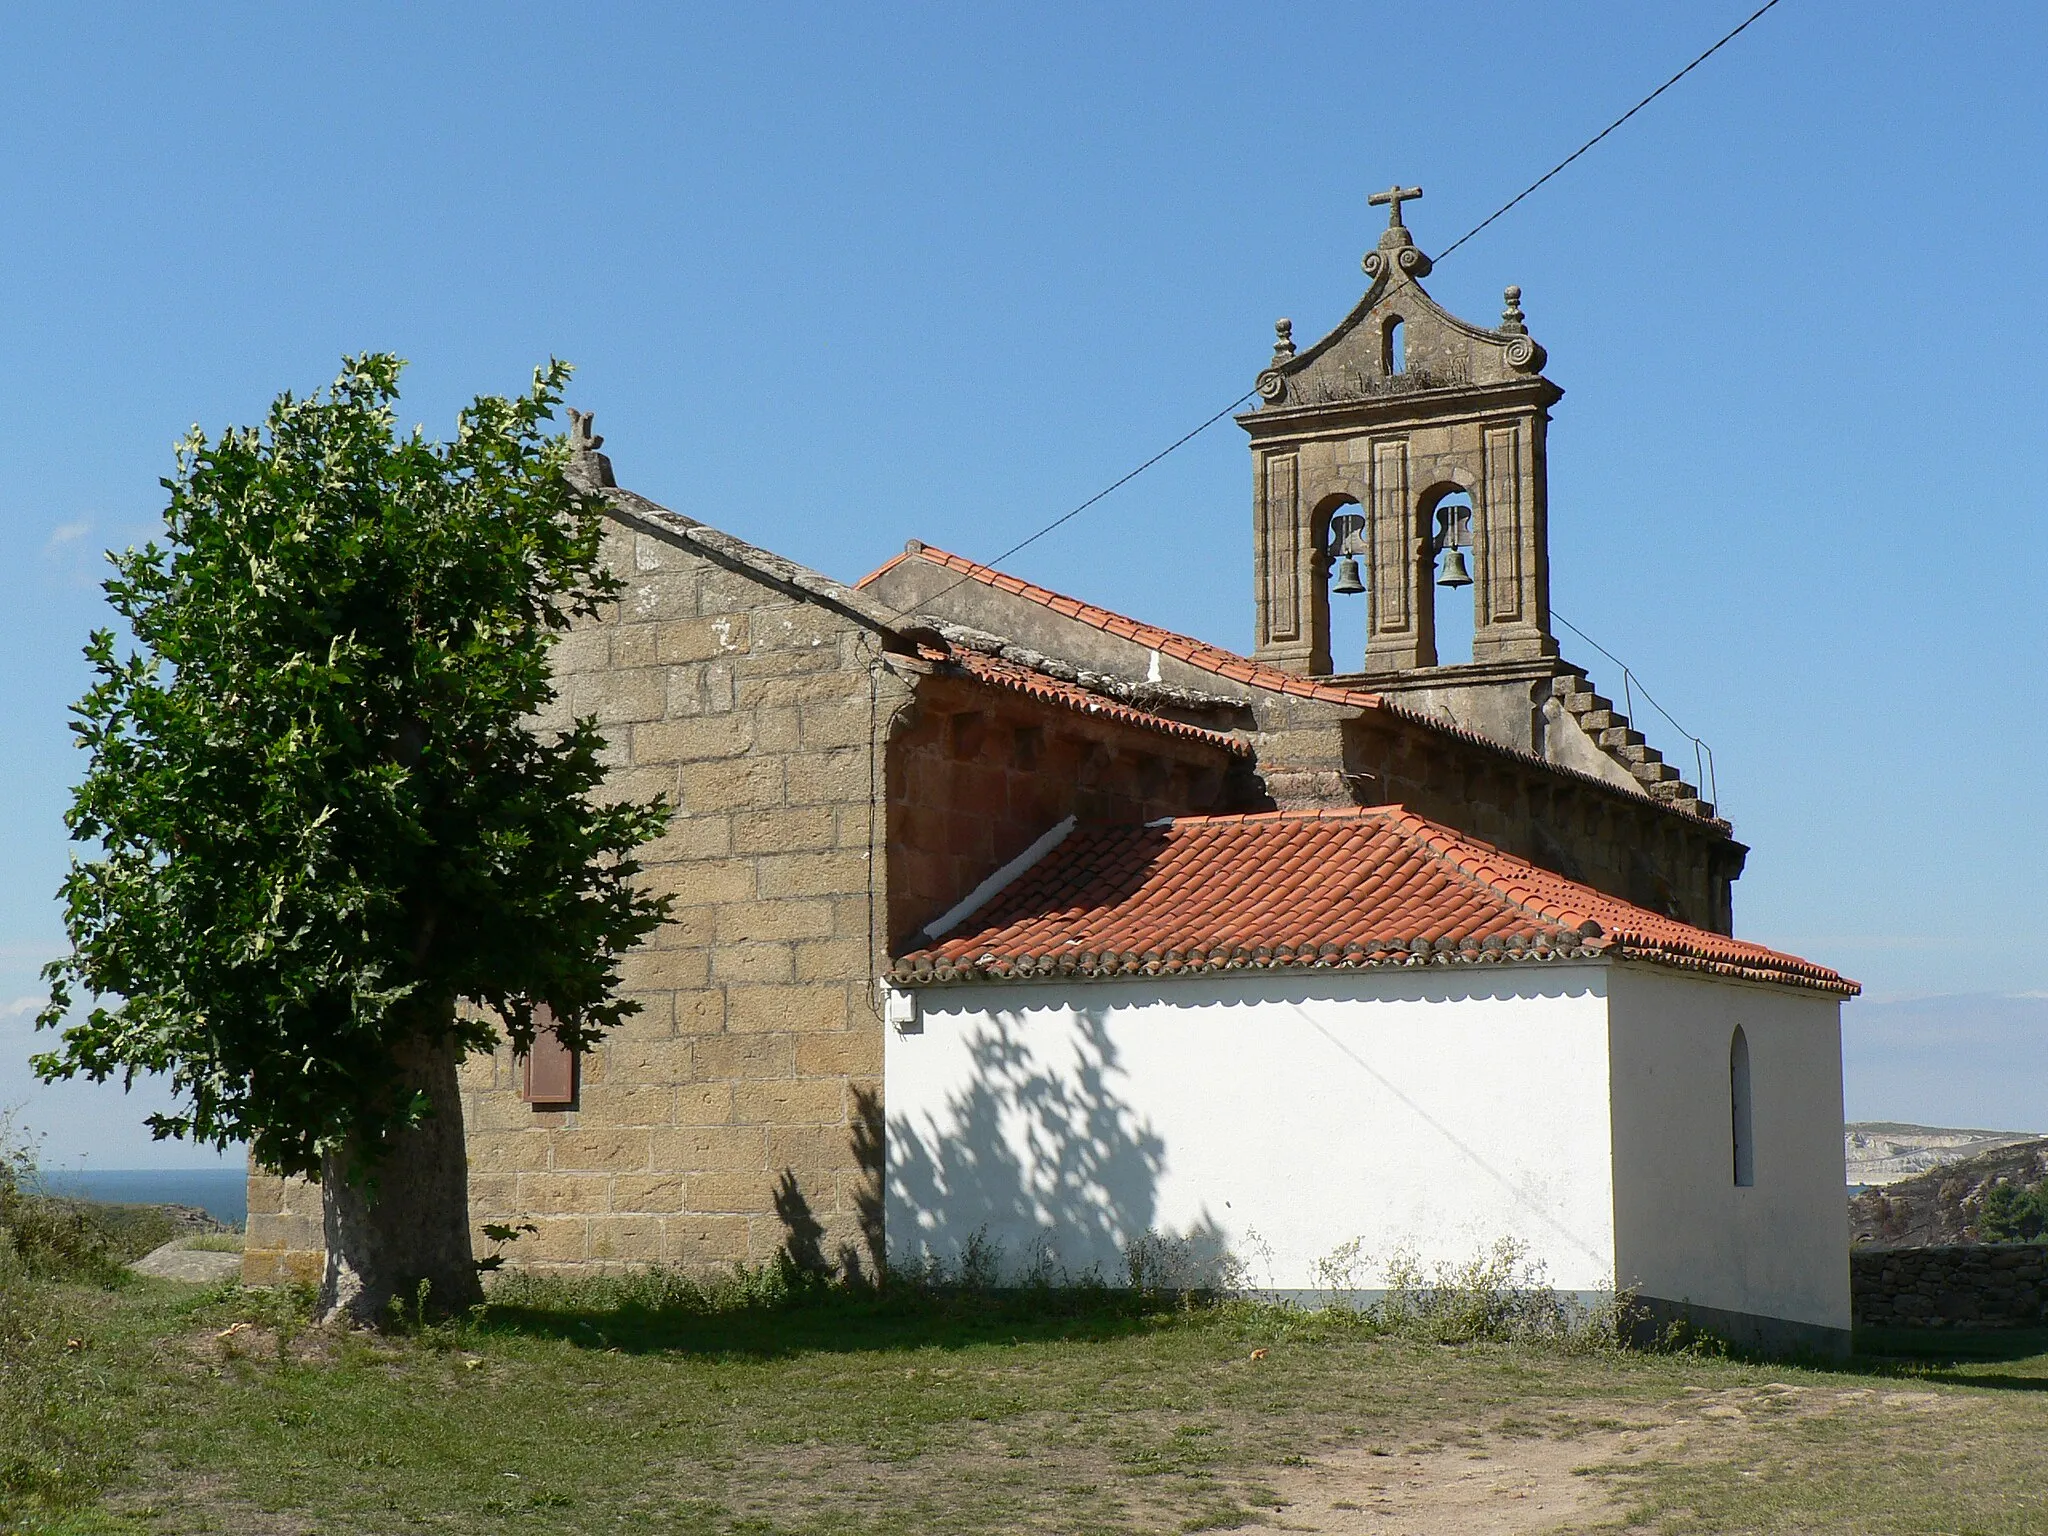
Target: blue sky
x,y
837,277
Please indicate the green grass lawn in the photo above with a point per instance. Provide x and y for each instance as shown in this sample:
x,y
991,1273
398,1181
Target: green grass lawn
x,y
167,1408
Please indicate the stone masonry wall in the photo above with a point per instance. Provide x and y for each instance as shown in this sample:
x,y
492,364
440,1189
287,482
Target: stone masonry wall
x,y
739,1110
1621,843
1998,1286
1317,752
979,774
283,1242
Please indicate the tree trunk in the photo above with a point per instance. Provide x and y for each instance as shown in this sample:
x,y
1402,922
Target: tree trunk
x,y
414,1225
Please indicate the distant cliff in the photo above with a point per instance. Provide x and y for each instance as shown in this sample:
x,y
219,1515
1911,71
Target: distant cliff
x,y
1886,1151
1941,1206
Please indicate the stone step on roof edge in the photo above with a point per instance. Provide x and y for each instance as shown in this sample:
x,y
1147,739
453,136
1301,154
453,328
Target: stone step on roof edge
x,y
1597,718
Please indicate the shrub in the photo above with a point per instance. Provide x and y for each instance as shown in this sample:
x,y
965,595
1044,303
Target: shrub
x,y
1499,1295
2009,1214
43,1237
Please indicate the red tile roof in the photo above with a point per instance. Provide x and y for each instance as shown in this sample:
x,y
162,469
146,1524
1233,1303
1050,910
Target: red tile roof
x,y
1290,889
1196,653
1213,658
998,673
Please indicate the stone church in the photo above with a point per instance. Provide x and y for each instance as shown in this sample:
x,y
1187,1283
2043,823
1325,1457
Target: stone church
x,y
857,769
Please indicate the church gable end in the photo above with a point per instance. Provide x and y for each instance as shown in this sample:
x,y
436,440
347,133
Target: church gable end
x,y
740,1105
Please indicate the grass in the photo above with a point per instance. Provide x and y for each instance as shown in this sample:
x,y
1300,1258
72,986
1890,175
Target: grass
x,y
654,1404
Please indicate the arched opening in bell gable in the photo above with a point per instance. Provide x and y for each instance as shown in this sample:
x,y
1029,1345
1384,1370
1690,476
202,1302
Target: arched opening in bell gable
x,y
1346,572
1394,345
1447,551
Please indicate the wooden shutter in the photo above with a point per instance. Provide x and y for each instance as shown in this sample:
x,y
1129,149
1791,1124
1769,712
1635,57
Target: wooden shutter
x,y
550,1067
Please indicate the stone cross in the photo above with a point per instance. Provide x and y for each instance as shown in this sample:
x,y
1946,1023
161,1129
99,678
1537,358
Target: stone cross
x,y
1395,195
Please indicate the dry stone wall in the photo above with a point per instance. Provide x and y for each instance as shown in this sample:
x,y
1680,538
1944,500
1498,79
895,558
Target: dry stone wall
x,y
1998,1286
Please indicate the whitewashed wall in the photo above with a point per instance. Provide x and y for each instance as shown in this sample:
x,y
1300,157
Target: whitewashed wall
x,y
1275,1117
1684,1231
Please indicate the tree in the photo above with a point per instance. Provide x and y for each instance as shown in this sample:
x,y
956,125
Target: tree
x,y
334,855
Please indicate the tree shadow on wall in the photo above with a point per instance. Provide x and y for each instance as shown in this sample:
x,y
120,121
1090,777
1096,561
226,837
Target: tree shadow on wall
x,y
857,1263
1039,1171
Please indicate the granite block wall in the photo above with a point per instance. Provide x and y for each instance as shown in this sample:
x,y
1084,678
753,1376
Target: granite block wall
x,y
741,1104
1995,1286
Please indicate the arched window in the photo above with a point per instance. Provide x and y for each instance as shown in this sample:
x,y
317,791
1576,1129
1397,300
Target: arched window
x,y
1452,599
1739,1111
1347,565
1397,347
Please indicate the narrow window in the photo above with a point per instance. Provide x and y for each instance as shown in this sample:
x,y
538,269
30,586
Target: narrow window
x,y
550,1069
1397,348
1738,1107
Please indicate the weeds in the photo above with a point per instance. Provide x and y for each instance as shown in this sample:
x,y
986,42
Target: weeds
x,y
1500,1295
50,1237
763,1399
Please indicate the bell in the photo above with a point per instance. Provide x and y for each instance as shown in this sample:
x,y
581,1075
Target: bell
x,y
1347,575
1454,572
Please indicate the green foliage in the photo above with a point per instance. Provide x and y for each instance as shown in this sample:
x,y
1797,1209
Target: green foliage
x,y
323,817
1498,1295
46,1238
2008,1213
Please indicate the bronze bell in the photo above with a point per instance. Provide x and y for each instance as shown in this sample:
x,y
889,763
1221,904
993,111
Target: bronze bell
x,y
1347,575
1454,572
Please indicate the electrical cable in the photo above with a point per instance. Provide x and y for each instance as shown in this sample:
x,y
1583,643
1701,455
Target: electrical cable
x,y
1703,755
1084,506
1066,517
1631,112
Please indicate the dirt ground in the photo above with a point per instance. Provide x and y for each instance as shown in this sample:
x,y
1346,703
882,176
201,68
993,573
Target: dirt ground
x,y
1525,1485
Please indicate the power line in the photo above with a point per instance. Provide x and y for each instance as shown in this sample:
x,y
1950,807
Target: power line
x,y
1084,506
1189,437
1631,112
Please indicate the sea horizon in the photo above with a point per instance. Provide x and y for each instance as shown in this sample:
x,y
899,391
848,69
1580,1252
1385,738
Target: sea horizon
x,y
223,1193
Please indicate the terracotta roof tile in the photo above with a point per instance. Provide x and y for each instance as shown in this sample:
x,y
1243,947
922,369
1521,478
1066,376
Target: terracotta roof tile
x,y
1354,888
997,673
1213,658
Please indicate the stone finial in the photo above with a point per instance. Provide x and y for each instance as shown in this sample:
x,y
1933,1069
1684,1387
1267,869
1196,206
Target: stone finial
x,y
1283,341
585,462
1397,251
1511,318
